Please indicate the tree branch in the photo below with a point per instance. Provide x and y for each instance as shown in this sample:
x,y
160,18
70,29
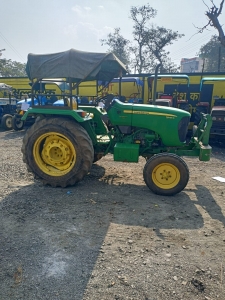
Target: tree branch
x,y
213,14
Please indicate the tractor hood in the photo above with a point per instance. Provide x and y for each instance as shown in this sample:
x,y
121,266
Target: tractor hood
x,y
74,64
170,123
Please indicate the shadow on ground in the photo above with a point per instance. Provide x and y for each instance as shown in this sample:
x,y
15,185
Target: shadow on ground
x,y
51,238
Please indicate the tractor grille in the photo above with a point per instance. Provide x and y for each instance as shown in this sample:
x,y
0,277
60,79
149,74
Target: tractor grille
x,y
183,128
218,113
218,124
218,127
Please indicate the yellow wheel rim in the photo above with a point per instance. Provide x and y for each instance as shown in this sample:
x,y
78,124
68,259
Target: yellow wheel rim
x,y
166,176
54,154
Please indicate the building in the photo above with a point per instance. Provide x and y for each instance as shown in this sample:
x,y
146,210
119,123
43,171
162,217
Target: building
x,y
191,65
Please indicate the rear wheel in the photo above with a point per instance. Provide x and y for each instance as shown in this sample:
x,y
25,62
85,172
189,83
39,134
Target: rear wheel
x,y
17,123
6,122
58,151
166,174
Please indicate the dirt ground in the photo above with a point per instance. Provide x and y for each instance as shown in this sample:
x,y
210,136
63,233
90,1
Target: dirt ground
x,y
109,237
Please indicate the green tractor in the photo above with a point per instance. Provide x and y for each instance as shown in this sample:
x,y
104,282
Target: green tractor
x,y
64,142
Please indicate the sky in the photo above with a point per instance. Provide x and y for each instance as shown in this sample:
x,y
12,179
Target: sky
x,y
50,26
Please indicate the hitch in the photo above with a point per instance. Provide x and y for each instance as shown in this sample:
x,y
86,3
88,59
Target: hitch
x,y
202,132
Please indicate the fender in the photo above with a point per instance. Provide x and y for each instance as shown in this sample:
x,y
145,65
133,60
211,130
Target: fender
x,y
79,115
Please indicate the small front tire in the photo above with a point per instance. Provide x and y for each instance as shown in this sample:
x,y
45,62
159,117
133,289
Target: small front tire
x,y
6,122
166,174
17,123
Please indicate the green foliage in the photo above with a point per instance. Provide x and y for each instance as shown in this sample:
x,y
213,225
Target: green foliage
x,y
118,45
214,54
141,17
149,42
157,38
9,68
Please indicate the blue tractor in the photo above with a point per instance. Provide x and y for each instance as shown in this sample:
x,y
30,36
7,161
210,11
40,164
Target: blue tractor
x,y
7,106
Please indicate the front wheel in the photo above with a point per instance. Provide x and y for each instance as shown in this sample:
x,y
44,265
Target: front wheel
x,y
17,123
6,122
166,174
58,151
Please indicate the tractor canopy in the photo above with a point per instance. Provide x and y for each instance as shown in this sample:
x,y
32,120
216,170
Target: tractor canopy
x,y
76,65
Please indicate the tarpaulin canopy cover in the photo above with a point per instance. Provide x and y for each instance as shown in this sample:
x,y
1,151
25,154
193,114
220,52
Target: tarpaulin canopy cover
x,y
75,64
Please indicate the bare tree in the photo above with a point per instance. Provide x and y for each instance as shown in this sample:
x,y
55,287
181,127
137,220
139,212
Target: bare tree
x,y
150,40
147,47
213,14
141,16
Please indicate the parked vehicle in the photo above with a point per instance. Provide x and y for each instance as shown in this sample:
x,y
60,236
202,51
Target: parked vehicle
x,y
39,98
130,94
21,107
7,107
174,99
61,146
217,110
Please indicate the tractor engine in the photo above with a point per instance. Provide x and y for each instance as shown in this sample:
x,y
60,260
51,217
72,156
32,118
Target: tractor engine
x,y
170,124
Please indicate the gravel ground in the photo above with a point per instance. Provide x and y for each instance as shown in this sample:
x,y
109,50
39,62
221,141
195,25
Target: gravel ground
x,y
109,237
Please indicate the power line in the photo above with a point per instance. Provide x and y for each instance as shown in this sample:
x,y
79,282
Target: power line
x,y
195,44
11,46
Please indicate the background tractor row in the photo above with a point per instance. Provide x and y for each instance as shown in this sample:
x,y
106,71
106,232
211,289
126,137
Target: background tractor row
x,y
176,99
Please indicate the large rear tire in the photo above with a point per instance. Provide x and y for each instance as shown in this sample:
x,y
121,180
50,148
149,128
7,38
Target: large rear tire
x,y
97,157
6,122
58,151
166,174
